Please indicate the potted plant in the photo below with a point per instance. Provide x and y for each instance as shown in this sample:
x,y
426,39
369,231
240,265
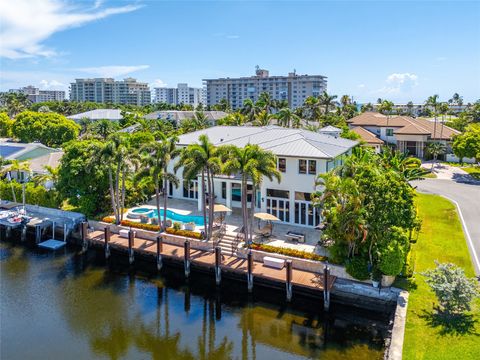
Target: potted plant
x,y
177,226
376,276
190,226
392,259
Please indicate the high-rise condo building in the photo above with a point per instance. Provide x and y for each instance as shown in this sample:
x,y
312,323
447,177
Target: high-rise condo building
x,y
35,95
182,94
108,90
294,88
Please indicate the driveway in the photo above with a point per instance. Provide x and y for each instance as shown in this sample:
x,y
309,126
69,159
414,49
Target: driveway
x,y
466,192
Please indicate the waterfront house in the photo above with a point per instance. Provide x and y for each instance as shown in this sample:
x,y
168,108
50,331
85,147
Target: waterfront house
x,y
37,155
302,155
405,133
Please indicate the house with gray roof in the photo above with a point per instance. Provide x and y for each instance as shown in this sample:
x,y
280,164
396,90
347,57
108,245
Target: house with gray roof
x,y
98,114
301,156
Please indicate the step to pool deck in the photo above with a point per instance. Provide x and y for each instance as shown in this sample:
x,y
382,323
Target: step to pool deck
x,y
52,244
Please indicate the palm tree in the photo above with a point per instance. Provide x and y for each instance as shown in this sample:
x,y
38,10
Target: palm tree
x,y
265,101
345,100
279,104
386,108
312,105
50,174
327,101
443,110
202,158
435,148
116,154
263,118
410,108
249,109
157,156
252,163
432,101
17,167
286,116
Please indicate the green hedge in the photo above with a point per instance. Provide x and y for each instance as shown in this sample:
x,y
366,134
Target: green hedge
x,y
34,195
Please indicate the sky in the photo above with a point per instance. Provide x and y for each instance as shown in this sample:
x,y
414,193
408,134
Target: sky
x,y
397,50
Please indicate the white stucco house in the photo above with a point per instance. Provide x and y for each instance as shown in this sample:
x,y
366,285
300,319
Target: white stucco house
x,y
302,155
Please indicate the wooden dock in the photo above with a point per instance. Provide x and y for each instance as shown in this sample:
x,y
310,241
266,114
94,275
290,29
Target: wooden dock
x,y
233,264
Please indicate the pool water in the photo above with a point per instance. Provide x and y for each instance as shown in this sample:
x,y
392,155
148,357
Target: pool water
x,y
171,215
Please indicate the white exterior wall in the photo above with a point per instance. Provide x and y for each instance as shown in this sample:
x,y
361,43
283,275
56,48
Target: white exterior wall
x,y
291,181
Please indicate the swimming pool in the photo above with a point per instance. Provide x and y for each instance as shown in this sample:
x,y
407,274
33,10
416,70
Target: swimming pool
x,y
171,215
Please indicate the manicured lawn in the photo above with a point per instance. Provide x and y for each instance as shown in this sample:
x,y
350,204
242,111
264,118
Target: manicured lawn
x,y
441,239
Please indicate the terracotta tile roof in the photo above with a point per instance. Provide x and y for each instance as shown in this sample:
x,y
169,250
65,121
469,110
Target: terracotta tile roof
x,y
405,125
367,136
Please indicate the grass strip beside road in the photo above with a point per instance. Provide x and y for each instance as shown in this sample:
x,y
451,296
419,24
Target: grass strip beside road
x,y
441,239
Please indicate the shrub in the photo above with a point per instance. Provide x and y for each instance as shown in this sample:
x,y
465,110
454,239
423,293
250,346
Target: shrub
x,y
186,233
177,226
392,259
452,288
289,252
409,268
357,267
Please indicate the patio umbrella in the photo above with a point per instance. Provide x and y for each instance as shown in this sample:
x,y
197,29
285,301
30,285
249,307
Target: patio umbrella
x,y
220,208
266,217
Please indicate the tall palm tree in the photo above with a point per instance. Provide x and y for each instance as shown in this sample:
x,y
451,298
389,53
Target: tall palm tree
x,y
50,174
312,105
345,100
443,110
286,116
156,158
327,101
410,108
263,118
386,108
279,104
116,154
432,101
252,163
202,158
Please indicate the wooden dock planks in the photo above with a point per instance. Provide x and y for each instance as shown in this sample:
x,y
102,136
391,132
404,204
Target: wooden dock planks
x,y
302,278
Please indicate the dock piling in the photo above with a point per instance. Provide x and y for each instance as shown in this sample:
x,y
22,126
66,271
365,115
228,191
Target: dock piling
x,y
326,291
108,234
218,262
159,252
288,283
131,237
84,230
187,258
250,271
23,236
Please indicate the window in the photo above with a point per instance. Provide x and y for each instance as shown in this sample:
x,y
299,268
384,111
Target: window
x,y
278,193
302,166
389,132
282,165
305,213
224,190
190,189
312,167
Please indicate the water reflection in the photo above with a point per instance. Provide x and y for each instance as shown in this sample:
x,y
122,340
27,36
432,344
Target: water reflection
x,y
93,310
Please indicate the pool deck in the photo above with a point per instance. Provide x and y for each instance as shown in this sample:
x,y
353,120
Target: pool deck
x,y
300,278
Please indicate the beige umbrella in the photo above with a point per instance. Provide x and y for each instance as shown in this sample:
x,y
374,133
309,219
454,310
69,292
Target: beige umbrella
x,y
266,217
220,208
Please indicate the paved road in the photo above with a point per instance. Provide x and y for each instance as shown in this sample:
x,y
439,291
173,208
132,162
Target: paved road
x,y
467,195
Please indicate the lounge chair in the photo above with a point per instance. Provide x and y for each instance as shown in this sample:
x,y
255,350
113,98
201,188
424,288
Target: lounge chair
x,y
265,231
295,236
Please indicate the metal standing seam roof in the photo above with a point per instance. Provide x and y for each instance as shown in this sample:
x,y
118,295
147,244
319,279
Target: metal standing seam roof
x,y
98,114
281,141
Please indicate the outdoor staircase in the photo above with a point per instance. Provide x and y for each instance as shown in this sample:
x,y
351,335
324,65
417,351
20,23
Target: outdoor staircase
x,y
226,243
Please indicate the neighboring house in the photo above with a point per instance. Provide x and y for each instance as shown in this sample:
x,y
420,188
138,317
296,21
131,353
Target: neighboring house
x,y
176,116
405,133
369,138
302,155
37,155
419,109
330,130
98,114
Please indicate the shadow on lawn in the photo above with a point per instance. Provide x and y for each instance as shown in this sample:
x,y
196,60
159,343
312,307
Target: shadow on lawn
x,y
459,324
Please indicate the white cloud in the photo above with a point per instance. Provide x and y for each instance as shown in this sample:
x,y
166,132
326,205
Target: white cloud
x,y
112,70
398,84
27,23
159,83
361,86
52,84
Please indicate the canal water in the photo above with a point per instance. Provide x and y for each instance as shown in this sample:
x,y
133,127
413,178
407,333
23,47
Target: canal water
x,y
66,305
